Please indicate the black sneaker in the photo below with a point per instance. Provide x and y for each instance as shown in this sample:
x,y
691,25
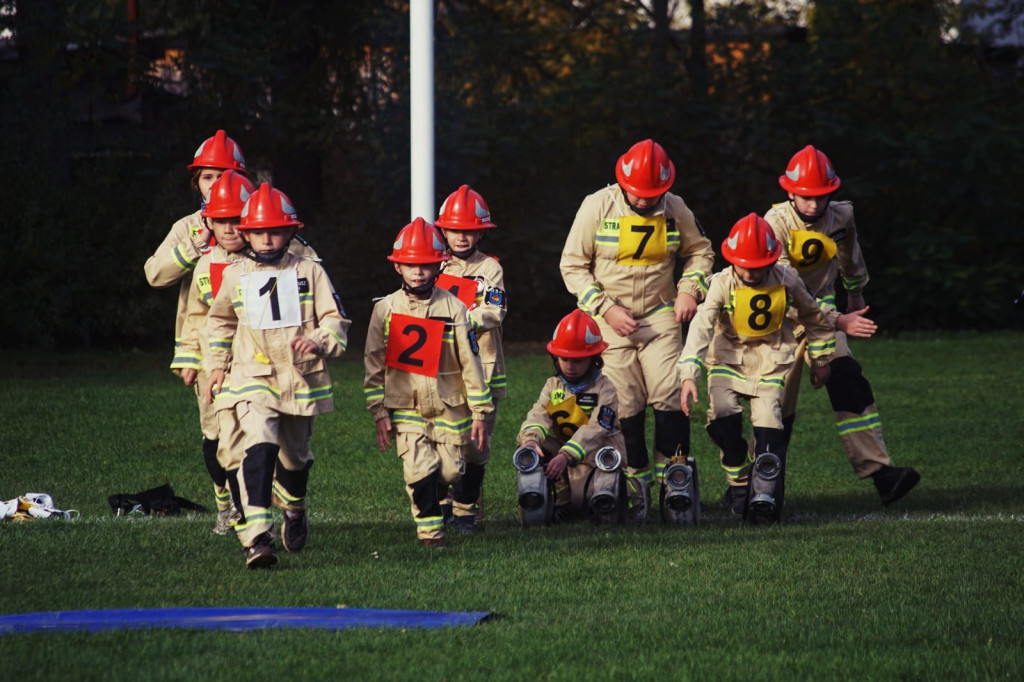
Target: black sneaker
x,y
446,513
735,499
295,531
466,524
261,554
894,482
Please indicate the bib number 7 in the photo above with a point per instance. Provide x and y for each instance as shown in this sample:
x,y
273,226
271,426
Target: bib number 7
x,y
642,240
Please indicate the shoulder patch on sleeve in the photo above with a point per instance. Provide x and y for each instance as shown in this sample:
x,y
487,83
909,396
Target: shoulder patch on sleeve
x,y
606,417
496,297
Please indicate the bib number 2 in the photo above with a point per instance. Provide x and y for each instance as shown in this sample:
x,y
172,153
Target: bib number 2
x,y
414,344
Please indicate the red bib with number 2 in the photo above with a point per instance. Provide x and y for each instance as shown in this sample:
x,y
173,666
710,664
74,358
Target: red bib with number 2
x,y
414,344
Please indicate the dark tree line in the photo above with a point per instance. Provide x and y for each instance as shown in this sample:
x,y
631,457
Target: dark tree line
x,y
535,101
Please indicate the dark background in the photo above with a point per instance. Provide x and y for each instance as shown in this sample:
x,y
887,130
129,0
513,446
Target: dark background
x,y
923,120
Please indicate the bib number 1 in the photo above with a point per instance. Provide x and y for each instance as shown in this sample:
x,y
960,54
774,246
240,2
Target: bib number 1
x,y
271,299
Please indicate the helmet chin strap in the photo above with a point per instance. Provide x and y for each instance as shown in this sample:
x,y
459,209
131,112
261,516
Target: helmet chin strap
x,y
643,211
463,255
421,291
272,257
809,219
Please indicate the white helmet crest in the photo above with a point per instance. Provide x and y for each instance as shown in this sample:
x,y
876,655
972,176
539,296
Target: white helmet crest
x,y
245,209
482,212
398,242
627,168
590,337
438,245
733,241
286,207
665,173
200,149
243,195
770,241
829,172
794,174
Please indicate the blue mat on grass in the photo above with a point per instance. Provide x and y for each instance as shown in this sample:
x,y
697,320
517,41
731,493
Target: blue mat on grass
x,y
235,619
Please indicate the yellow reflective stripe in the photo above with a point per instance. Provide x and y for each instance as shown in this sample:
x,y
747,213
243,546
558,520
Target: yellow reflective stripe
x,y
284,494
535,427
864,422
728,372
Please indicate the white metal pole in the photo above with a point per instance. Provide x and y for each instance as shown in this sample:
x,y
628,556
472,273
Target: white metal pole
x,y
421,97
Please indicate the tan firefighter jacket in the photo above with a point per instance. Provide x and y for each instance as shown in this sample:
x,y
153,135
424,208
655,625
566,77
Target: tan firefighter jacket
x,y
487,314
822,251
614,256
741,333
441,407
581,423
259,309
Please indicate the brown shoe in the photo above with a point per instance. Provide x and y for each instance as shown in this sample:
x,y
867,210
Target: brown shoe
x,y
261,554
295,531
432,542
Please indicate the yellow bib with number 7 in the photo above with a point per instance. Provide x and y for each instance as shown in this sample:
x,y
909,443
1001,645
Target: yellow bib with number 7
x,y
642,240
758,311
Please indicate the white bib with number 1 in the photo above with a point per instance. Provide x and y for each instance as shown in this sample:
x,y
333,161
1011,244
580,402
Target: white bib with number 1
x,y
271,299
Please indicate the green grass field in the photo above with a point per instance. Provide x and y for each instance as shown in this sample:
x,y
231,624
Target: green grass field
x,y
930,588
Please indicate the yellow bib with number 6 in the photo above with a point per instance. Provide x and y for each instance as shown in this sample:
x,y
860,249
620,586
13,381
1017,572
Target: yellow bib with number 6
x,y
568,417
642,240
759,312
809,250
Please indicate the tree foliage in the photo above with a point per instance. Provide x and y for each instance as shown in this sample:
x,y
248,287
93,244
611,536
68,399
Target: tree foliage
x,y
534,102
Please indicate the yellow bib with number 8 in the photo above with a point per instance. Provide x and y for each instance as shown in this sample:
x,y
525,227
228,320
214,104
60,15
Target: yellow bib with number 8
x,y
642,240
809,250
759,312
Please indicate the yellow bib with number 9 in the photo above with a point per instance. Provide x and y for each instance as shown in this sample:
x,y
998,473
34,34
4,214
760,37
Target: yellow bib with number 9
x,y
642,240
809,250
568,417
759,312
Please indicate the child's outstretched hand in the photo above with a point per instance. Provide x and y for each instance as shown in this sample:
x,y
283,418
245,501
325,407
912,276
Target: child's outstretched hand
x,y
557,466
384,433
854,323
688,396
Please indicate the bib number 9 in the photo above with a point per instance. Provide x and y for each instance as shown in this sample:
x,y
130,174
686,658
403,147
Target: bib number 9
x,y
809,250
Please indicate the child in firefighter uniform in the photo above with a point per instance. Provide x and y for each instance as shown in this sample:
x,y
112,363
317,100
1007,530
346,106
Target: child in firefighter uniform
x,y
274,321
820,239
741,339
618,261
425,384
173,263
221,436
479,282
575,416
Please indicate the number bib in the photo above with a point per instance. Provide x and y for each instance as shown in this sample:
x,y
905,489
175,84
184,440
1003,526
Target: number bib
x,y
759,312
642,240
463,287
216,276
271,299
568,417
414,344
810,250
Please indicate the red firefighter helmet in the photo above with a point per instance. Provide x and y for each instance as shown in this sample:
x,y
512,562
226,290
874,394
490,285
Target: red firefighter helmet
x,y
576,336
219,151
228,195
751,243
645,170
268,208
464,209
809,174
419,242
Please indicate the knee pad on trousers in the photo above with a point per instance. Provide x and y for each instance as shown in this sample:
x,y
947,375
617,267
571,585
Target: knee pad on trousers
x,y
636,441
848,389
236,494
214,468
769,440
424,495
727,432
466,490
295,483
258,472
671,432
